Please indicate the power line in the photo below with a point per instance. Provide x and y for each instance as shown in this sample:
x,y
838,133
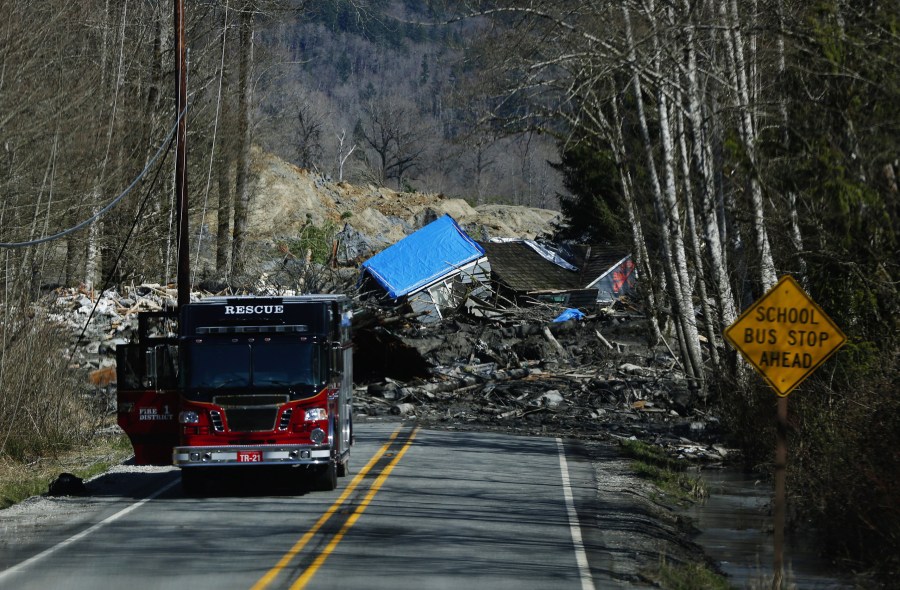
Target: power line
x,y
115,265
105,209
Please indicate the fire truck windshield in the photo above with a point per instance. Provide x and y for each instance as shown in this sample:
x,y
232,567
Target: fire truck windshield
x,y
253,363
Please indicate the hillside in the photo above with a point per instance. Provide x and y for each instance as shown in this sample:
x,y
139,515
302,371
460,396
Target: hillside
x,y
285,198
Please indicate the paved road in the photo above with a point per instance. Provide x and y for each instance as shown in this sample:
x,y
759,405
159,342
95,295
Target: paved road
x,y
421,509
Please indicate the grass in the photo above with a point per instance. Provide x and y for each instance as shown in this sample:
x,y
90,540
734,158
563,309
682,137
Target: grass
x,y
19,481
50,416
669,475
689,576
671,478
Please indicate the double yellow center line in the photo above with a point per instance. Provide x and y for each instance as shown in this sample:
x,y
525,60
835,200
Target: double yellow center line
x,y
309,572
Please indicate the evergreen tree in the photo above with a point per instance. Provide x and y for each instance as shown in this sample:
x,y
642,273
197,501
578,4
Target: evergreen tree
x,y
593,210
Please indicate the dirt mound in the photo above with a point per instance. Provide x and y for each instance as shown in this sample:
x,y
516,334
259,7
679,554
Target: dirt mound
x,y
285,197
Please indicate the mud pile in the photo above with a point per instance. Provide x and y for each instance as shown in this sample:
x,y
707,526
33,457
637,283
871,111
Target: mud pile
x,y
286,200
592,378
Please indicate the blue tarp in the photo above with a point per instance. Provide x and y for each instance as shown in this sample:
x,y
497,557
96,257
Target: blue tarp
x,y
569,314
422,257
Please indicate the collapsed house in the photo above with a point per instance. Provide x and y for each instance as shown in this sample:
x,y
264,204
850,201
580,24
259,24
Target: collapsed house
x,y
610,271
432,270
440,268
524,272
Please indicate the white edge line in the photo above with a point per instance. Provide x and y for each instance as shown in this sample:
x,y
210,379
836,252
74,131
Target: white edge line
x,y
587,583
9,572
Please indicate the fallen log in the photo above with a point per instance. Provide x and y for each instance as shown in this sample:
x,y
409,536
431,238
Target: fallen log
x,y
602,339
554,341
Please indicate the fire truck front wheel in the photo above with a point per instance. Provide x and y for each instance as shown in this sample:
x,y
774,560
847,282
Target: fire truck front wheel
x,y
343,470
326,478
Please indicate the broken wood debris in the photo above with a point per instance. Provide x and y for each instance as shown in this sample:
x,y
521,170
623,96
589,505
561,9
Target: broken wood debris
x,y
518,372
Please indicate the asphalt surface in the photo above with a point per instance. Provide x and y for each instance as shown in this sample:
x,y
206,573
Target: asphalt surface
x,y
420,509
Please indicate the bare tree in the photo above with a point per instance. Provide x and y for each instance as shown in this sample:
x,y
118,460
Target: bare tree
x,y
394,136
309,135
224,160
666,206
702,167
343,155
742,76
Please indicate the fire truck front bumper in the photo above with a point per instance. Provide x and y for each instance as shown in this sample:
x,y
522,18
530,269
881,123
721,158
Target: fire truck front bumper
x,y
251,455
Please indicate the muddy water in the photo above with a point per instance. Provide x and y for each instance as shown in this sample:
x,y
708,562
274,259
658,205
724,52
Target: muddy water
x,y
736,530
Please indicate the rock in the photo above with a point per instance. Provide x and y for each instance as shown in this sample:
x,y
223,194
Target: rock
x,y
388,391
404,409
632,369
551,399
67,485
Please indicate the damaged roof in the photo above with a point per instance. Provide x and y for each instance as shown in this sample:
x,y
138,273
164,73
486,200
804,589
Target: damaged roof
x,y
521,268
596,260
438,249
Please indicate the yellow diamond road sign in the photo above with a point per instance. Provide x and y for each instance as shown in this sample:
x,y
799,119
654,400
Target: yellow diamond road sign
x,y
785,335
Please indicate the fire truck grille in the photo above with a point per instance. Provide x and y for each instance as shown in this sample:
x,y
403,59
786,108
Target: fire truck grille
x,y
251,419
250,400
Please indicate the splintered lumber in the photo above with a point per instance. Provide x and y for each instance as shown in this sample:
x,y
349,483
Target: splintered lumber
x,y
554,341
602,339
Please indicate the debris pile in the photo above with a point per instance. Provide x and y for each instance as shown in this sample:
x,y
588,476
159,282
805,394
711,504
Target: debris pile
x,y
100,322
517,371
525,374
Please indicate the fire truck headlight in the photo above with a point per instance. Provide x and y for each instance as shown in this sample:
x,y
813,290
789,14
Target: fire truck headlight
x,y
316,414
189,417
317,436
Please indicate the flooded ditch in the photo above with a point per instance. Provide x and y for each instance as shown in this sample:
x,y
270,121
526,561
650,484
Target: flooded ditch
x,y
736,530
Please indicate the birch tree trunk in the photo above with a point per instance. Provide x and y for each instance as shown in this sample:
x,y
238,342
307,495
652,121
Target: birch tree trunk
x,y
92,260
224,163
28,275
703,165
746,113
95,264
642,259
796,237
155,99
683,290
709,313
681,308
223,212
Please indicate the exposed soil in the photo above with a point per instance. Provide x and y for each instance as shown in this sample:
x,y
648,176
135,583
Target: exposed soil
x,y
285,198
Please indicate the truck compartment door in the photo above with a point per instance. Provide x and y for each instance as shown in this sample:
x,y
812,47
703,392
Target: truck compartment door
x,y
148,401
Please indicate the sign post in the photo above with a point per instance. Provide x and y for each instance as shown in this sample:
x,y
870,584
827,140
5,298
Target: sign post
x,y
785,336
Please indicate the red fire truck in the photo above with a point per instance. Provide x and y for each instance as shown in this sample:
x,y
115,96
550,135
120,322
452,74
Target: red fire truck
x,y
248,382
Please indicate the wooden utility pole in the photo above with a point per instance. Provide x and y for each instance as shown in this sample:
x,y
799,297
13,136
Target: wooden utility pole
x,y
181,194
781,427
